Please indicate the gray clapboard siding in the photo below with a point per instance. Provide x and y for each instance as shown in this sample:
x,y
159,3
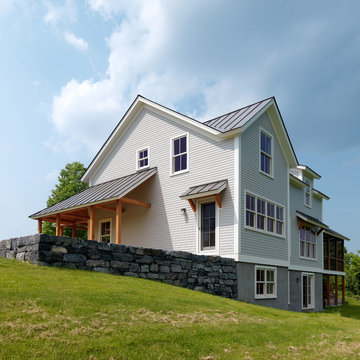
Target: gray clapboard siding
x,y
254,243
297,203
163,223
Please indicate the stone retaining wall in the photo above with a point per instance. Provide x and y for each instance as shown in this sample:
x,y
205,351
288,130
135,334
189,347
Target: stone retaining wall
x,y
211,274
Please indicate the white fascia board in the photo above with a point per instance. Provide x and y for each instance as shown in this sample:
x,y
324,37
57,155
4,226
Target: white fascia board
x,y
320,195
296,181
258,114
204,194
314,270
309,171
131,113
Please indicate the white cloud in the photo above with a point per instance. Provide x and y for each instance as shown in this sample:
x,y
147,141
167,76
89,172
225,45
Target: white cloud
x,y
57,13
198,56
77,42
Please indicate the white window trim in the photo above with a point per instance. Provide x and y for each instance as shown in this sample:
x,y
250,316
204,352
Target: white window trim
x,y
255,220
172,173
198,225
266,296
271,175
316,250
312,306
310,192
103,221
138,160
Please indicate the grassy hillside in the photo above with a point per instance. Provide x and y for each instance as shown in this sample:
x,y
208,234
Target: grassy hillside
x,y
49,313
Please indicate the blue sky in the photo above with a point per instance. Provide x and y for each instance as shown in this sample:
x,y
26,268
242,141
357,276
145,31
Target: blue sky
x,y
70,69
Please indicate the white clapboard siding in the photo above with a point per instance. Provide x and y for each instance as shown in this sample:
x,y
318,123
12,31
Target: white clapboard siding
x,y
163,226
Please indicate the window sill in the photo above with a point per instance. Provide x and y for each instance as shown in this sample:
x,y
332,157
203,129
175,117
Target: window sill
x,y
143,168
208,252
308,206
179,172
264,232
262,297
266,174
307,258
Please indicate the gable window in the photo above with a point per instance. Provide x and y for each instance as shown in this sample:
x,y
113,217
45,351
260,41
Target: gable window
x,y
265,153
264,215
307,198
308,243
105,230
308,291
179,154
265,282
142,159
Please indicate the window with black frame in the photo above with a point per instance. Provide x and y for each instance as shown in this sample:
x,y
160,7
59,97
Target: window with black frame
x,y
208,226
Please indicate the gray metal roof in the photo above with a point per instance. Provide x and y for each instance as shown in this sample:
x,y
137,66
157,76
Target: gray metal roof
x,y
113,189
336,234
237,118
311,219
213,187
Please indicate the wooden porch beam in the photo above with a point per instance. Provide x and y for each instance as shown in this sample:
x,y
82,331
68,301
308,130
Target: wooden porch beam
x,y
106,207
192,204
135,202
301,225
118,221
39,226
218,200
58,219
82,217
91,234
320,231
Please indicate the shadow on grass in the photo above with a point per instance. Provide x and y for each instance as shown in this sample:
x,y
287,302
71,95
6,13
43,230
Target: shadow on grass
x,y
349,310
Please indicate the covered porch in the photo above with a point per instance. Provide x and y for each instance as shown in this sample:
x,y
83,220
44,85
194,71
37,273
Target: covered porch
x,y
81,211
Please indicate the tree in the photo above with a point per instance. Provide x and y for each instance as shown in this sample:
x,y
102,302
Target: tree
x,y
352,268
68,185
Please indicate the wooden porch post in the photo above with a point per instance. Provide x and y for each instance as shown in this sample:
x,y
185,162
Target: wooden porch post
x,y
91,234
57,225
73,231
61,231
343,289
118,221
336,290
39,226
328,291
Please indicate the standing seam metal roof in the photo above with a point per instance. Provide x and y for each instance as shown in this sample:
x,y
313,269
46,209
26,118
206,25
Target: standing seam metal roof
x,y
199,189
108,190
237,118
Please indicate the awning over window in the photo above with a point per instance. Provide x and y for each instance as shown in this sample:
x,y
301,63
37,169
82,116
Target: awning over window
x,y
107,191
310,220
205,190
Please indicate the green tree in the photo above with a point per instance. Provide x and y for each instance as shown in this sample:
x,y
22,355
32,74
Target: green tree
x,y
352,268
68,185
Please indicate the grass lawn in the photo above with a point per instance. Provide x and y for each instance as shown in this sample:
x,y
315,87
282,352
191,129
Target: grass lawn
x,y
50,313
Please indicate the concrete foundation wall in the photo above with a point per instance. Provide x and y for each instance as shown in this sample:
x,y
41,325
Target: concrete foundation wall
x,y
246,286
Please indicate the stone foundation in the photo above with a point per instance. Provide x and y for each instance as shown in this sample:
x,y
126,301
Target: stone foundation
x,y
210,274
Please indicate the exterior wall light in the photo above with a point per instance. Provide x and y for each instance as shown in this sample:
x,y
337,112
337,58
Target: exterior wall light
x,y
183,211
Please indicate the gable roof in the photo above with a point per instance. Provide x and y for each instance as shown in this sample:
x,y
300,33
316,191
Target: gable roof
x,y
219,128
109,190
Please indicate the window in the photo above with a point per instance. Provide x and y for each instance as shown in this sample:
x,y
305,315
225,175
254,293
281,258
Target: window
x,y
264,215
307,199
308,242
142,159
308,291
265,282
105,230
208,226
179,154
265,153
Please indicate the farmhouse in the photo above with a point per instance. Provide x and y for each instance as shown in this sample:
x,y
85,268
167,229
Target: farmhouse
x,y
231,187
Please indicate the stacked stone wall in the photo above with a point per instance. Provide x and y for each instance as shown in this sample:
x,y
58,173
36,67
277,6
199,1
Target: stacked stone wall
x,y
210,274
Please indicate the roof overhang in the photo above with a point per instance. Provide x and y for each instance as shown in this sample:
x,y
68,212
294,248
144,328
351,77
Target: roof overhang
x,y
320,195
309,171
204,190
98,194
336,234
139,104
311,220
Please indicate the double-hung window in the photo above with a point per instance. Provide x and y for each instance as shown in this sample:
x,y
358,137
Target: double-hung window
x,y
265,282
308,242
179,154
142,161
266,153
307,198
264,215
105,230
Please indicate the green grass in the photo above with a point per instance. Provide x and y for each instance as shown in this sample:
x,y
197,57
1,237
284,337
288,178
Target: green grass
x,y
49,313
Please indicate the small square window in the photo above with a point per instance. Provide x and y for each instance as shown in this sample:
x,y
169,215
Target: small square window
x,y
265,282
142,160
